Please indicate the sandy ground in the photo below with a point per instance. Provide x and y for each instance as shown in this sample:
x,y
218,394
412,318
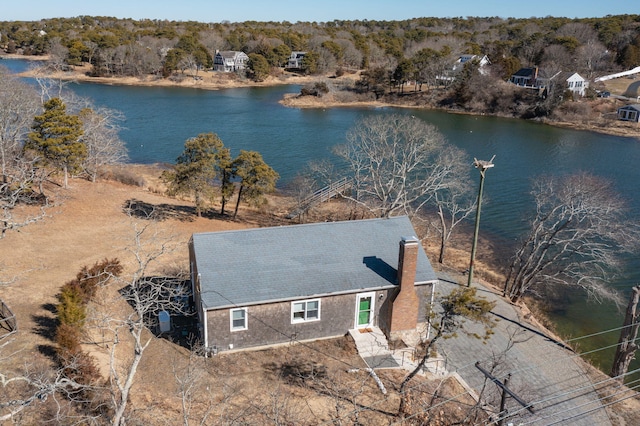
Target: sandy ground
x,y
207,80
90,225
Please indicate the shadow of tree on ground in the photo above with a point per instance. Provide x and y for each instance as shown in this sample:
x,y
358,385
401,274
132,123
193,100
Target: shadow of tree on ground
x,y
147,211
45,326
159,212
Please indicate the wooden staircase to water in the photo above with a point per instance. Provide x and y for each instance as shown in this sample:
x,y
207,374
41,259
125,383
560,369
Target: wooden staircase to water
x,y
325,194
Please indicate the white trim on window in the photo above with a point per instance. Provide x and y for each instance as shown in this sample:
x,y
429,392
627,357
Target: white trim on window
x,y
305,311
238,319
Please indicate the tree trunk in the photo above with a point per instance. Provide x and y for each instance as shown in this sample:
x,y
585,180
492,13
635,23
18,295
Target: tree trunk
x,y
121,407
66,176
197,203
626,350
443,238
235,212
423,361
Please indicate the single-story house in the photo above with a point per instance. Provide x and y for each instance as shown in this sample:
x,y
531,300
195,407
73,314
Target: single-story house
x,y
295,60
577,84
229,61
532,78
267,286
629,113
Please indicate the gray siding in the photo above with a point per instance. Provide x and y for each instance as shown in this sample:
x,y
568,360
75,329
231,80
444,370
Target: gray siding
x,y
270,324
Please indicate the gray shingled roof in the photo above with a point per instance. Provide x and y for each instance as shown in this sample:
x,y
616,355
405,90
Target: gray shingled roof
x,y
251,266
631,106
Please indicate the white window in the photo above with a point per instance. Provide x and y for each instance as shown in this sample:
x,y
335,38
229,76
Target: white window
x,y
238,319
308,310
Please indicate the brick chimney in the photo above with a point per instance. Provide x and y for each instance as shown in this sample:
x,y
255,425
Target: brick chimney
x,y
404,308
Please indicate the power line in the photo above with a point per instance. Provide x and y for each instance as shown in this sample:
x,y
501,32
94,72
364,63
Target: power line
x,y
575,355
602,332
293,338
589,385
600,407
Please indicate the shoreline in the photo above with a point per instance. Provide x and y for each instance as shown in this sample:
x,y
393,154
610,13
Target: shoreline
x,y
624,129
214,80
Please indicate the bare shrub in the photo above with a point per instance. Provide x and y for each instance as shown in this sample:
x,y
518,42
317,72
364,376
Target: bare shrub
x,y
579,112
126,177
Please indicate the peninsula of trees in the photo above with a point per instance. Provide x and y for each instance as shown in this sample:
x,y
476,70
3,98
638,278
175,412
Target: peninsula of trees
x,y
383,56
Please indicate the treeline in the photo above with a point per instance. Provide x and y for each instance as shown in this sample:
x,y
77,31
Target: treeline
x,y
159,47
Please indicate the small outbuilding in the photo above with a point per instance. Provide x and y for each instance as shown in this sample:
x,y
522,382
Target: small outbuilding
x,y
629,113
267,286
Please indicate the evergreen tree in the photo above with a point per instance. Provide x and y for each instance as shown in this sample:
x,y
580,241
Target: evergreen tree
x,y
256,177
56,138
310,62
258,67
226,172
197,168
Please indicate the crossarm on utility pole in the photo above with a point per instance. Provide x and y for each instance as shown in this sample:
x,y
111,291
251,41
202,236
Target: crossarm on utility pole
x,y
504,388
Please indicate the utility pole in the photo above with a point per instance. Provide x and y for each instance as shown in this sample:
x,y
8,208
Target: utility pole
x,y
505,391
626,347
503,400
482,166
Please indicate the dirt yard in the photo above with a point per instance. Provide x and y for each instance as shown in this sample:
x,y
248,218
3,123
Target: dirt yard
x,y
301,384
91,224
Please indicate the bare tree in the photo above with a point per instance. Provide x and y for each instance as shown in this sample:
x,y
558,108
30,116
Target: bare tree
x,y
190,374
212,40
104,146
130,328
556,58
458,306
22,197
32,386
19,105
397,163
576,238
593,57
58,54
626,350
455,202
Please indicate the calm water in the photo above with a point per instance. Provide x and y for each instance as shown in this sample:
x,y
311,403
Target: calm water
x,y
159,120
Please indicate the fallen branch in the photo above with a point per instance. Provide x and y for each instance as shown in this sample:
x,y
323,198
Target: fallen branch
x,y
373,374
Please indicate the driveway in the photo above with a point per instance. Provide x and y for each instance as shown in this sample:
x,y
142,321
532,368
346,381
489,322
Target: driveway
x,y
543,372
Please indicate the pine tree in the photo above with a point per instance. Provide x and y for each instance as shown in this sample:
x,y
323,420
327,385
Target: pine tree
x,y
197,168
256,177
56,138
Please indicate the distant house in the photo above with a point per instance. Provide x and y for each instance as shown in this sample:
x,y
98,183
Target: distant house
x,y
535,78
629,113
295,60
577,84
268,286
449,75
482,61
532,78
229,61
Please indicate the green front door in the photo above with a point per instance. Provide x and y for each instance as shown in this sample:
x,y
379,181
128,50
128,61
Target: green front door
x,y
364,314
